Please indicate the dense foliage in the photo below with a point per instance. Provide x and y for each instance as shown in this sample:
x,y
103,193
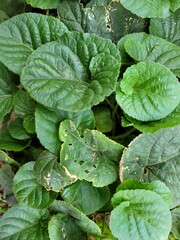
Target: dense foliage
x,y
90,119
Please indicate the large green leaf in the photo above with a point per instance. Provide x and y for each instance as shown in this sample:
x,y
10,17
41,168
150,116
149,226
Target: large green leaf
x,y
28,191
80,193
167,28
48,4
92,158
24,222
51,174
62,226
22,34
144,47
148,91
139,214
80,218
47,125
77,72
154,157
148,8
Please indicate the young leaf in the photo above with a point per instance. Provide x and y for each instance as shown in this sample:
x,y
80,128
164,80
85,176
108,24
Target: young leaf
x,y
62,226
167,28
29,124
154,157
148,8
92,157
104,122
140,214
28,191
50,173
80,193
24,222
22,34
80,218
148,91
78,71
48,4
17,130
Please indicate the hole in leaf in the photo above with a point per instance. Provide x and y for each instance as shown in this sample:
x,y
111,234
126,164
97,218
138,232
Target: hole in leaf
x,y
86,171
81,162
145,170
94,166
70,144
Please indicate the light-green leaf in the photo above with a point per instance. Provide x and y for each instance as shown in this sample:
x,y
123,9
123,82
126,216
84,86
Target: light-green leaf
x,y
140,214
154,157
176,222
77,72
24,222
148,8
79,193
148,91
92,157
22,34
28,191
48,4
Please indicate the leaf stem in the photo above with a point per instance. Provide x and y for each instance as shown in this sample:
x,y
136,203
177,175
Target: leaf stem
x,y
124,134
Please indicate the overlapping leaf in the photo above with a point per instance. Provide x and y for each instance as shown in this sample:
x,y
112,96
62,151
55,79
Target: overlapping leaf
x,y
22,34
48,4
77,72
148,91
154,157
92,158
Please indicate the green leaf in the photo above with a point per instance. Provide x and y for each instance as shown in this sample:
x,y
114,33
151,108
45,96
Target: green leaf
x,y
24,222
148,91
48,4
80,218
148,8
47,125
29,124
92,158
22,34
62,226
140,214
154,157
28,191
104,122
167,28
176,222
144,47
11,7
175,4
79,193
3,16
5,105
17,130
155,186
78,71
51,174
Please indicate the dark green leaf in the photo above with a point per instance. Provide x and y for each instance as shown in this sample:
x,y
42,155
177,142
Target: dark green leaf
x,y
5,105
51,174
80,218
48,4
92,157
17,130
11,7
175,4
148,91
155,157
80,193
24,222
62,226
139,213
176,222
104,122
22,34
28,191
3,16
29,124
77,72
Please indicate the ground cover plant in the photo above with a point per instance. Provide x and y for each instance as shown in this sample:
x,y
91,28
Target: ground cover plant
x,y
90,119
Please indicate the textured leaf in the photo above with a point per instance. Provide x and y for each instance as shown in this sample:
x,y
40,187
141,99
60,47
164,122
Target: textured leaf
x,y
148,8
17,130
148,91
48,4
29,124
104,122
80,193
80,218
167,28
11,7
77,72
156,159
92,157
155,186
28,191
62,226
139,213
144,47
50,173
47,125
22,34
176,222
24,222
175,4
5,105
